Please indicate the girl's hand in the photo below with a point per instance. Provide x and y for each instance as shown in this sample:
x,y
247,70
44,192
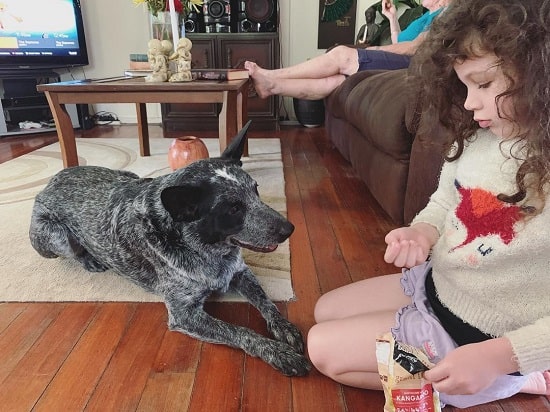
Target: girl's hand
x,y
410,246
471,368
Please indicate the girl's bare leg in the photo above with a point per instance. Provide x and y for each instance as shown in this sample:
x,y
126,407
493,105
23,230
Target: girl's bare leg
x,y
342,344
376,294
341,60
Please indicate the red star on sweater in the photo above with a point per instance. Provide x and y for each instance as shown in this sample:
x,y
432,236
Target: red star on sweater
x,y
483,214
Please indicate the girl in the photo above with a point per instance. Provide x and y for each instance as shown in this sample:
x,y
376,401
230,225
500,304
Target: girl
x,y
479,307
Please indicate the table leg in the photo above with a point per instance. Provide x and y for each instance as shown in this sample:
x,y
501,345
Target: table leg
x,y
226,120
143,129
65,131
242,112
231,118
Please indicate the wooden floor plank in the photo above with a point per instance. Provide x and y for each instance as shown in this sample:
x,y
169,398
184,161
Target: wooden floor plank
x,y
8,312
23,387
76,380
218,383
178,353
260,378
121,385
315,392
23,332
170,383
167,392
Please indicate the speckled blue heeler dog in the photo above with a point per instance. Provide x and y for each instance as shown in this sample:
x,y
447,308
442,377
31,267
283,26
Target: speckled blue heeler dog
x,y
177,235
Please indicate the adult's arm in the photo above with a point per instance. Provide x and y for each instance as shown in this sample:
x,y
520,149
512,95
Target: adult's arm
x,y
407,47
389,10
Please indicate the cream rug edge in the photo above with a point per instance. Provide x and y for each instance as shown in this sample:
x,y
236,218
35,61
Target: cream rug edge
x,y
27,277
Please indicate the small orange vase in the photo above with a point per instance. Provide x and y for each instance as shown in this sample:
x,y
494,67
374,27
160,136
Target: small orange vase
x,y
185,150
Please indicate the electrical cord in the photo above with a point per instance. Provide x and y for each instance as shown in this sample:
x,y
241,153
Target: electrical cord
x,y
103,117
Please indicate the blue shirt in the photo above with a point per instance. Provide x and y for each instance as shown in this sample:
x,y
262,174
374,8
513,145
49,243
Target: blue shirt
x,y
417,26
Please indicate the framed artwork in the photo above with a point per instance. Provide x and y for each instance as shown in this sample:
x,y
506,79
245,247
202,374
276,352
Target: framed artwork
x,y
336,23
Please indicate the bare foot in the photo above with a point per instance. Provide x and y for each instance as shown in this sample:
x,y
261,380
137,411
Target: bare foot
x,y
263,82
537,383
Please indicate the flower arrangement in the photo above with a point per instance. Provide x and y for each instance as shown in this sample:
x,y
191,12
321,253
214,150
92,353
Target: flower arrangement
x,y
182,6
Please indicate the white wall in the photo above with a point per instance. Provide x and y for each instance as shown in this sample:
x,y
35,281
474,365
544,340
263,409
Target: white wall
x,y
117,28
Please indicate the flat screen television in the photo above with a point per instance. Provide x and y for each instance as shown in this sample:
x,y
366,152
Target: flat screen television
x,y
41,34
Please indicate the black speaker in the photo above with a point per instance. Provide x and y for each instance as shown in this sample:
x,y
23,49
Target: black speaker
x,y
194,23
217,16
257,16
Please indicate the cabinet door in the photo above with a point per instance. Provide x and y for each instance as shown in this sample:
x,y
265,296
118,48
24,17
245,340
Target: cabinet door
x,y
262,49
174,115
203,53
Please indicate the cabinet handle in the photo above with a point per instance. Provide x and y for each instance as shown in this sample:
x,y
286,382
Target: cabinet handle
x,y
206,59
228,57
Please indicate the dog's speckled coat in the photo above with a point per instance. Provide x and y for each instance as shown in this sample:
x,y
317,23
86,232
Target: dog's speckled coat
x,y
178,235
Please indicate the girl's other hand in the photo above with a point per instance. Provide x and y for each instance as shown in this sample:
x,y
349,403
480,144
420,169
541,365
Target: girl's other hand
x,y
410,246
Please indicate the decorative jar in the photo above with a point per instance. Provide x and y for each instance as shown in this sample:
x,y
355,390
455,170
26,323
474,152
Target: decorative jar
x,y
185,150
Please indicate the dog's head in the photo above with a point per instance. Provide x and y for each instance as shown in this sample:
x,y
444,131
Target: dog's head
x,y
219,202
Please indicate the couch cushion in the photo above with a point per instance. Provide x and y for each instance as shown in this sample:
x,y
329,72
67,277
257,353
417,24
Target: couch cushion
x,y
335,102
376,107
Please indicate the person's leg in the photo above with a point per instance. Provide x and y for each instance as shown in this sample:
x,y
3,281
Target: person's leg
x,y
308,89
381,60
342,344
379,293
341,61
345,349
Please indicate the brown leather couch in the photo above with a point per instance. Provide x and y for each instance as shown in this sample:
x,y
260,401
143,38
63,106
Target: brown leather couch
x,y
372,120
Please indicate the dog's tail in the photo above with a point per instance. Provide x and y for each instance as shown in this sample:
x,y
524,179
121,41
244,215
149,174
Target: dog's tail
x,y
234,151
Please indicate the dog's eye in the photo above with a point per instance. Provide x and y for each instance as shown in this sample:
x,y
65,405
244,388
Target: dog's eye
x,y
234,210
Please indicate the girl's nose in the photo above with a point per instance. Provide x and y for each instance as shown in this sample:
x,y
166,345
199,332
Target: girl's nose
x,y
471,103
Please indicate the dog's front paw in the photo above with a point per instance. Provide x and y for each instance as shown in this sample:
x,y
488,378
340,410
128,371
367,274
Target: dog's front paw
x,y
286,332
282,357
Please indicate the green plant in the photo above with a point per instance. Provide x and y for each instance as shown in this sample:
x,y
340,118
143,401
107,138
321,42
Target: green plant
x,y
414,10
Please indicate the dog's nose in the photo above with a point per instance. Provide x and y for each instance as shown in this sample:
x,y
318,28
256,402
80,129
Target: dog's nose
x,y
286,229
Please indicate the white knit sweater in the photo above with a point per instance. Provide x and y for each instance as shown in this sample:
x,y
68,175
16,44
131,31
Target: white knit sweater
x,y
490,268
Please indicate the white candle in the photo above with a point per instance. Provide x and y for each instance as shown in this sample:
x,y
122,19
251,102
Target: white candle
x,y
174,23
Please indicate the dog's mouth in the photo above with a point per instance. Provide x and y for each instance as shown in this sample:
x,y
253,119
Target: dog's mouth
x,y
255,248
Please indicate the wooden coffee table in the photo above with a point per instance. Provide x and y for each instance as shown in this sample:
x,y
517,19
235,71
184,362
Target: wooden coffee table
x,y
232,95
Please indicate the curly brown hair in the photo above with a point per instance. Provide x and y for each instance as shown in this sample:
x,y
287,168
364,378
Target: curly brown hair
x,y
518,33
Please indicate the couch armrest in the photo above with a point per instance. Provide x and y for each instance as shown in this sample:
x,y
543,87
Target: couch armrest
x,y
336,101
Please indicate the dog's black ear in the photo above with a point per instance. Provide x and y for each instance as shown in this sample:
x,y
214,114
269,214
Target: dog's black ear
x,y
184,203
234,151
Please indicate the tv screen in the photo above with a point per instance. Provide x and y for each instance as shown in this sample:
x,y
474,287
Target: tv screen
x,y
41,34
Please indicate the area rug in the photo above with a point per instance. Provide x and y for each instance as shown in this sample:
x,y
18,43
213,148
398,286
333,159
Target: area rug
x,y
27,277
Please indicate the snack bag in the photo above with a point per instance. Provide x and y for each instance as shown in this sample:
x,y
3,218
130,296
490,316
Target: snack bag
x,y
400,367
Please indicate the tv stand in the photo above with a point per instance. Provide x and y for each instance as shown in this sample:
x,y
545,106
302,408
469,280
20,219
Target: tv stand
x,y
21,103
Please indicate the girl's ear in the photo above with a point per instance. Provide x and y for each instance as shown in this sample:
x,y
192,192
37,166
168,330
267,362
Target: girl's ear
x,y
185,203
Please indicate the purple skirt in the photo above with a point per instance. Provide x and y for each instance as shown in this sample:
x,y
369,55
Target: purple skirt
x,y
417,325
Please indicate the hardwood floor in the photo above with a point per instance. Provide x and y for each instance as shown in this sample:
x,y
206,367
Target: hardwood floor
x,y
121,357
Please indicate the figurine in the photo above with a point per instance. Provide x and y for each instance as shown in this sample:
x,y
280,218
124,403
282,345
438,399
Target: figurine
x,y
367,32
158,52
182,56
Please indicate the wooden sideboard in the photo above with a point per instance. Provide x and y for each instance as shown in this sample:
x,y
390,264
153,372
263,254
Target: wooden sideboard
x,y
227,50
